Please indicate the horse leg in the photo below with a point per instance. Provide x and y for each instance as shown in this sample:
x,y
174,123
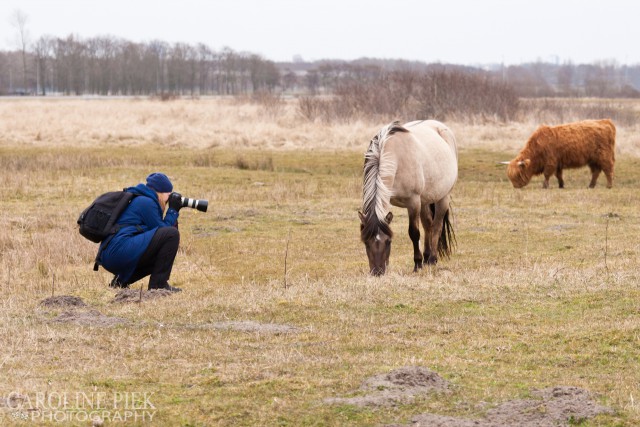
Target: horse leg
x,y
427,223
442,206
413,208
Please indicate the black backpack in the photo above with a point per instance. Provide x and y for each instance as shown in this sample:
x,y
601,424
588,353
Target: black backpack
x,y
98,221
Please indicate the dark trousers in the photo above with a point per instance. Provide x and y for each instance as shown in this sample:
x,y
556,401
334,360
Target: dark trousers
x,y
157,260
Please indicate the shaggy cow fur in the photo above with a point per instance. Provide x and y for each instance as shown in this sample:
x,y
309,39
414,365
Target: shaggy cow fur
x,y
553,148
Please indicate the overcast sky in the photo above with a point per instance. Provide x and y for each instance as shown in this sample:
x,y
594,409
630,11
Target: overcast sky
x,y
450,31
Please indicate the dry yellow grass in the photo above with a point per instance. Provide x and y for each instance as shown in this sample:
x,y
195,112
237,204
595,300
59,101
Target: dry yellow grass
x,y
205,123
542,290
227,123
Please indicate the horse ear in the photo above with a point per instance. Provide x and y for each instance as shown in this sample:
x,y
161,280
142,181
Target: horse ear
x,y
362,218
389,217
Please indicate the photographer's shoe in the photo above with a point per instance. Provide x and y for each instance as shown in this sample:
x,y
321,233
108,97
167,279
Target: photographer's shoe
x,y
168,287
115,283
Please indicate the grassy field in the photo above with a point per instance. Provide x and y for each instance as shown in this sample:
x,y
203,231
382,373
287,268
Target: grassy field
x,y
543,289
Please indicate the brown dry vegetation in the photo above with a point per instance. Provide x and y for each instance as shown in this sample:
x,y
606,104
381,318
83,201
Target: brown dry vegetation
x,y
542,292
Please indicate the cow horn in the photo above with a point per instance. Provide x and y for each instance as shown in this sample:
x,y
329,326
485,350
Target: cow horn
x,y
503,163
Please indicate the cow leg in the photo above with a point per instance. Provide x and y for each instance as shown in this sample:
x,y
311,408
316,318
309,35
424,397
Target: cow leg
x,y
548,173
559,176
608,172
427,223
413,208
595,173
545,183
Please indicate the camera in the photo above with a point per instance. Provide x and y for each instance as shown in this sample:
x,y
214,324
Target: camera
x,y
186,202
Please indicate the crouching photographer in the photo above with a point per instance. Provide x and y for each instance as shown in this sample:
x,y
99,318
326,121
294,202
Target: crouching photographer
x,y
146,241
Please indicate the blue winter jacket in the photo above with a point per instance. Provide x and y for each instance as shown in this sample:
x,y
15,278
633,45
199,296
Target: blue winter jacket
x,y
138,223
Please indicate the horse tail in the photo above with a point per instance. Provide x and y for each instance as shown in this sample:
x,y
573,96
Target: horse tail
x,y
447,240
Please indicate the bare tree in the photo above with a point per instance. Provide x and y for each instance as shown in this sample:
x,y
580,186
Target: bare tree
x,y
229,70
205,57
565,79
19,21
264,74
158,53
312,80
595,82
70,65
289,80
43,52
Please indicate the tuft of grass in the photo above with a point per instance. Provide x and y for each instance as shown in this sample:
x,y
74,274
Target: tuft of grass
x,y
263,164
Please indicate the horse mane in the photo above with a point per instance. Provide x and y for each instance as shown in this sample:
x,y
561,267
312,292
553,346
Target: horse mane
x,y
375,194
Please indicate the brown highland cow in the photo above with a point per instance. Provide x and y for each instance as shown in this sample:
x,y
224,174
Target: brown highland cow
x,y
553,148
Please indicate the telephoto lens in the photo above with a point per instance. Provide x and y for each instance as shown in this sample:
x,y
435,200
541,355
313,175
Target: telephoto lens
x,y
200,205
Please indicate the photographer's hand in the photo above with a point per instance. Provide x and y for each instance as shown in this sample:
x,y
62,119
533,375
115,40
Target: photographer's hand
x,y
175,201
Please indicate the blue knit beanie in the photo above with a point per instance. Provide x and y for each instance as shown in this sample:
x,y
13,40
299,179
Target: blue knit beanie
x,y
159,182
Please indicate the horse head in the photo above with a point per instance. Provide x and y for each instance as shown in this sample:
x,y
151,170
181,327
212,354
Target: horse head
x,y
376,236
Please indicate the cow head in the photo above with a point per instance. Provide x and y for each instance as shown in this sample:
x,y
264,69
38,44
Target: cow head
x,y
519,172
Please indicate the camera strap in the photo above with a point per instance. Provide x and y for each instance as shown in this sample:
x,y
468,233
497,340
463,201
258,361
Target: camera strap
x,y
104,244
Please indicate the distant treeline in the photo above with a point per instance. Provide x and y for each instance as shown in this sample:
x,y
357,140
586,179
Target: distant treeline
x,y
113,66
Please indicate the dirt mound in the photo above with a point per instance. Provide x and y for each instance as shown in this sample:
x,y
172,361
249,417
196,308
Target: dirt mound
x,y
565,403
555,406
251,326
411,376
89,318
62,301
398,386
552,407
133,295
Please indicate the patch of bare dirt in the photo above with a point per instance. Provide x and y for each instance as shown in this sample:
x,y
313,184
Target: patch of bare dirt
x,y
62,301
135,295
89,318
401,385
251,326
551,407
